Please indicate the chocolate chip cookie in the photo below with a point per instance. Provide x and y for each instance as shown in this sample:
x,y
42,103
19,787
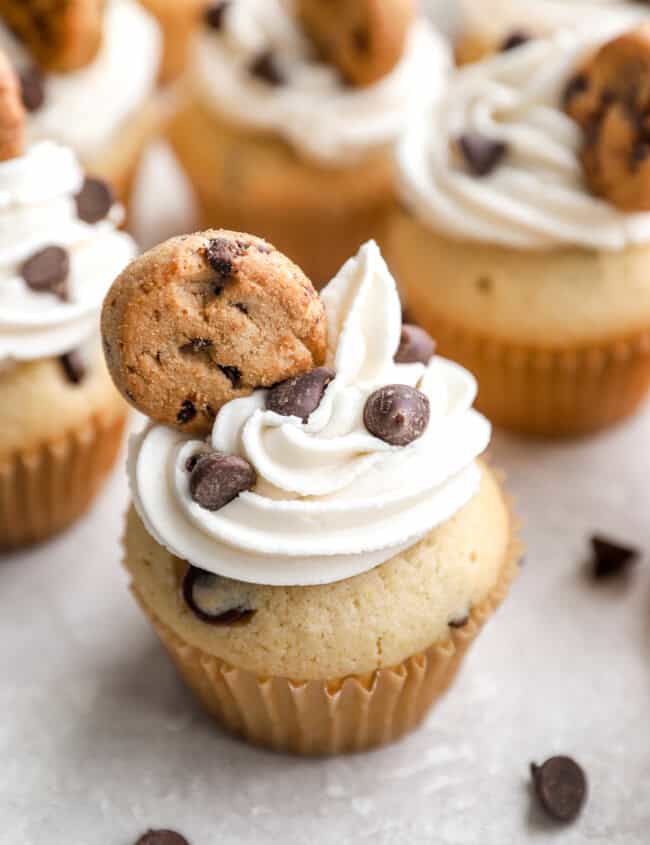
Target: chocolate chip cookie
x,y
12,113
364,40
203,319
62,35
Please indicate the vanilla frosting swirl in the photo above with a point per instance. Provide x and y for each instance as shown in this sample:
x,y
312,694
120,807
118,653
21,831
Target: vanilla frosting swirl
x,y
84,108
536,198
314,110
37,210
331,499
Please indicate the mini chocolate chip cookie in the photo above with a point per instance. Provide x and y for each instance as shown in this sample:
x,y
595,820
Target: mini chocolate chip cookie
x,y
61,35
206,318
610,98
12,112
364,40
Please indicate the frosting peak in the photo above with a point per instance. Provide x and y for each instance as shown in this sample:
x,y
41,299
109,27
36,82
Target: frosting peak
x,y
331,499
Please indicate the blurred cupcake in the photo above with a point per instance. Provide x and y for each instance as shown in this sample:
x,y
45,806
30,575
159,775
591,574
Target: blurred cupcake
x,y
488,26
88,73
277,140
178,19
60,417
523,243
317,561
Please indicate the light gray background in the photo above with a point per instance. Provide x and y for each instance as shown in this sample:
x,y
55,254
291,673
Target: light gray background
x,y
98,740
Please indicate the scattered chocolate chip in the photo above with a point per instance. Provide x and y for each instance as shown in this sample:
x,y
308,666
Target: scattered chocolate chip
x,y
241,307
186,413
415,346
576,85
561,786
32,88
233,374
361,39
47,270
481,154
397,414
197,344
162,837
265,67
73,366
213,16
611,558
300,396
218,479
459,621
220,254
94,200
516,39
194,580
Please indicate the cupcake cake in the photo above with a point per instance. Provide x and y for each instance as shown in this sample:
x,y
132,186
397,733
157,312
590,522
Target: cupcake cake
x,y
318,548
289,114
523,242
60,417
88,71
177,19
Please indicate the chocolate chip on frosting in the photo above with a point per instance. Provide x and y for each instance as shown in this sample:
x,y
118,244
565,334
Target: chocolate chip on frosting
x,y
482,155
73,366
415,346
217,479
32,88
94,200
162,837
561,787
397,414
216,600
300,396
265,67
611,558
213,16
516,39
47,271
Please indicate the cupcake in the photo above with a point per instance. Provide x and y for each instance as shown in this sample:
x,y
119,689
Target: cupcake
x,y
523,242
318,554
178,19
488,26
60,417
287,121
88,74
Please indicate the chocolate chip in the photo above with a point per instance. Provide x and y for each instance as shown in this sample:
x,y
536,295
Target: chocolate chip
x,y
219,614
415,346
218,479
94,200
162,837
265,67
241,307
73,366
561,786
611,558
213,16
300,396
459,621
481,154
397,414
47,270
576,85
187,412
197,344
32,88
220,254
516,39
233,374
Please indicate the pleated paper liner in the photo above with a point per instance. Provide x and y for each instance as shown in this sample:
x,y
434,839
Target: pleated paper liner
x,y
46,488
336,716
550,392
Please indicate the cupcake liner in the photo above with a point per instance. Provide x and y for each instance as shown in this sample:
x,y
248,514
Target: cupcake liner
x,y
551,392
46,487
333,716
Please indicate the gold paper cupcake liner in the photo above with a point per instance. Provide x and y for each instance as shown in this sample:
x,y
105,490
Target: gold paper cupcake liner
x,y
45,488
551,392
334,716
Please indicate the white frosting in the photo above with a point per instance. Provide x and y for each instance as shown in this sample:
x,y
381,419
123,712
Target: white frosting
x,y
83,109
536,197
38,209
331,499
313,111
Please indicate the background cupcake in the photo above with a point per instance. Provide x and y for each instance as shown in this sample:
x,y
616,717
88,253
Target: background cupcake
x,y
89,81
60,417
346,546
505,252
279,141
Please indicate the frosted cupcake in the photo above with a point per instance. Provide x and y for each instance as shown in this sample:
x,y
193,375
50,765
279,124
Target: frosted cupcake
x,y
60,417
89,74
527,267
279,141
318,560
